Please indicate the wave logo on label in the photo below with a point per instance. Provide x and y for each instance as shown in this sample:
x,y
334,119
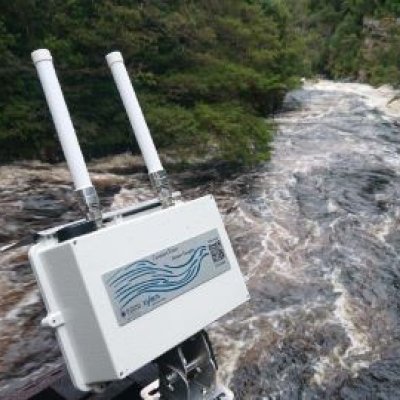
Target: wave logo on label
x,y
143,285
145,276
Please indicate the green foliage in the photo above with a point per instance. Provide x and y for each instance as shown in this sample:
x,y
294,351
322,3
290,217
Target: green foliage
x,y
356,39
245,137
344,47
207,73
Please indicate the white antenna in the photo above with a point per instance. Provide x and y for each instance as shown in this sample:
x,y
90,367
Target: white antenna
x,y
155,169
66,133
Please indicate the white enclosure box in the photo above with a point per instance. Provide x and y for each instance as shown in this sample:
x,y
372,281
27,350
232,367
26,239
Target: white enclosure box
x,y
121,296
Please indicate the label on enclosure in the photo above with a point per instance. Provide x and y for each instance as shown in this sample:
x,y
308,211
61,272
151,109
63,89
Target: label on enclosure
x,y
143,285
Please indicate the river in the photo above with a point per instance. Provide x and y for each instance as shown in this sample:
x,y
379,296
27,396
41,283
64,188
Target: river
x,y
316,233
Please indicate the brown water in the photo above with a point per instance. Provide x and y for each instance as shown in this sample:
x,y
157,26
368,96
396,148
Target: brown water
x,y
316,234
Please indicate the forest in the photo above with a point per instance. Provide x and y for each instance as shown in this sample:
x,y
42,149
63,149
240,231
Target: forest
x,y
209,74
357,40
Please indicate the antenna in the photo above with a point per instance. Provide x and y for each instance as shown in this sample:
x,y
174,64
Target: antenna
x,y
66,133
157,174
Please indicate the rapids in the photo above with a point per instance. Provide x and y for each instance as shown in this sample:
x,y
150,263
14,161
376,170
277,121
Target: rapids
x,y
316,233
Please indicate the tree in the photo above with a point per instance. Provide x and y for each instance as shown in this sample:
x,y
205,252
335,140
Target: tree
x,y
207,73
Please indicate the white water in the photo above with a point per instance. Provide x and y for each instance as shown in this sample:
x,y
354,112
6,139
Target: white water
x,y
315,230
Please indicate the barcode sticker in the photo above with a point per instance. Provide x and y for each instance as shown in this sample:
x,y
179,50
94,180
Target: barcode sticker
x,y
217,251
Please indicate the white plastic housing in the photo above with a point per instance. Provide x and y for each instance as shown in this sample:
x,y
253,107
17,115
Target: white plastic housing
x,y
134,111
58,108
72,275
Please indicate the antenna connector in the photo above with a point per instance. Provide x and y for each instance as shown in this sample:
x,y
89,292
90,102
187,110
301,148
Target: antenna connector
x,y
90,203
159,181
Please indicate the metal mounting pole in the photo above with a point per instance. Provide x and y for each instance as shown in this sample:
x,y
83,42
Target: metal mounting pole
x,y
188,372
